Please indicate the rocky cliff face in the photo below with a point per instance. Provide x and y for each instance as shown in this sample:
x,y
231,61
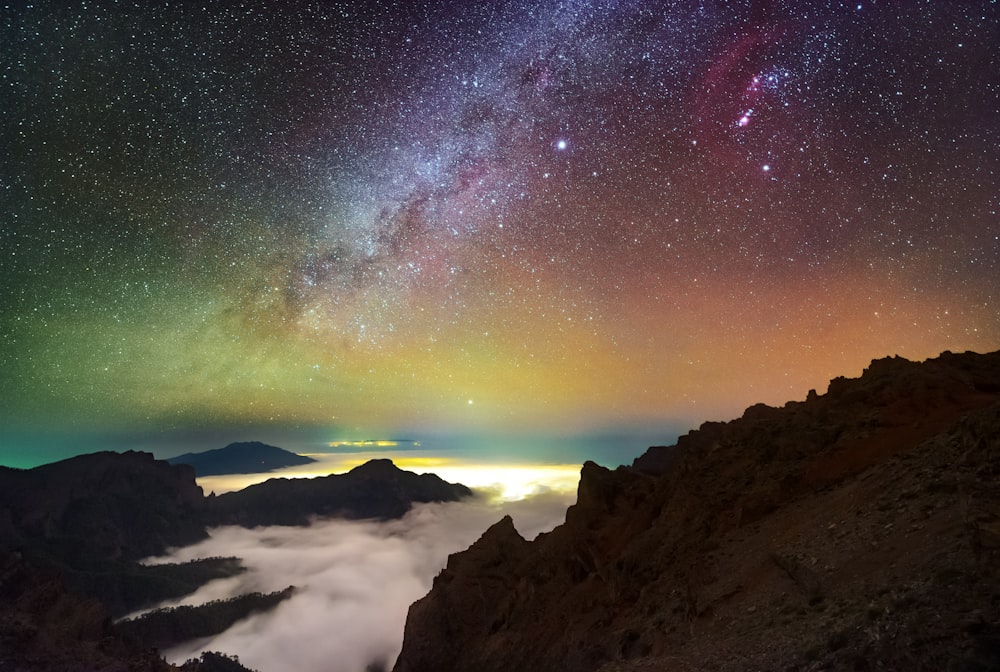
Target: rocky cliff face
x,y
857,530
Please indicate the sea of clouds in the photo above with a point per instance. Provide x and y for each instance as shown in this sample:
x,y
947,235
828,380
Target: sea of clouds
x,y
355,580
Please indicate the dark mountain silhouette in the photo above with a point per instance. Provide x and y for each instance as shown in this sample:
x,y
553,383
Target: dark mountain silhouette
x,y
857,530
90,518
46,628
72,532
251,457
101,506
166,627
376,489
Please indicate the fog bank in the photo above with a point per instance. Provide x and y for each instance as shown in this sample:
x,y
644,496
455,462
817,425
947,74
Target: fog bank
x,y
355,580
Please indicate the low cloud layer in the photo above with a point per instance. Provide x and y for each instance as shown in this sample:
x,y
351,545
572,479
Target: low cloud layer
x,y
356,580
509,480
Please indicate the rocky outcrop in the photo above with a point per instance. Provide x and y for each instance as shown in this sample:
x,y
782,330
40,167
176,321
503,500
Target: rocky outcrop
x,y
859,529
479,585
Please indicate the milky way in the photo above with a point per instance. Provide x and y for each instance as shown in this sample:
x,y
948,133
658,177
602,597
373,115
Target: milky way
x,y
359,217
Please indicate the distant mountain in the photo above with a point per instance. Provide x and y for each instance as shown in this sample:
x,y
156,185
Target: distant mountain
x,y
250,457
855,530
376,489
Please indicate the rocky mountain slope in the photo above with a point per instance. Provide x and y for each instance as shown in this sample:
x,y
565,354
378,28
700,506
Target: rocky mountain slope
x,y
248,457
857,530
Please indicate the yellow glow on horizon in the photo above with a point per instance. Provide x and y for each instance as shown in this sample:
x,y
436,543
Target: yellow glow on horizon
x,y
502,482
511,482
419,464
505,482
368,443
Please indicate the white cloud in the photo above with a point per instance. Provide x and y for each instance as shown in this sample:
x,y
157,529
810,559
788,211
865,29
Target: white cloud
x,y
356,580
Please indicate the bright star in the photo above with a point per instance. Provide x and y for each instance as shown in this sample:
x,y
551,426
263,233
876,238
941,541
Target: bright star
x,y
561,145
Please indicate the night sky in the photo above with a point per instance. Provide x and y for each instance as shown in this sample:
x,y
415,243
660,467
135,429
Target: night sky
x,y
358,219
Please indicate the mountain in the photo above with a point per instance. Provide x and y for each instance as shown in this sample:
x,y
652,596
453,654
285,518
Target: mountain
x,y
72,533
376,489
250,457
92,517
90,510
101,507
856,530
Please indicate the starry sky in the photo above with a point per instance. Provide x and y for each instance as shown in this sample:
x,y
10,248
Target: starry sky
x,y
366,219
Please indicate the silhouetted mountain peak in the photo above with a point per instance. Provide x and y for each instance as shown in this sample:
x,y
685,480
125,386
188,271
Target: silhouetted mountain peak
x,y
247,457
375,489
379,467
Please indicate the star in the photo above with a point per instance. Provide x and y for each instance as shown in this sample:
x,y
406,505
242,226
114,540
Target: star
x,y
330,223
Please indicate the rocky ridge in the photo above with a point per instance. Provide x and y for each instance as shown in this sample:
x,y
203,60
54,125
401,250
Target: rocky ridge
x,y
857,530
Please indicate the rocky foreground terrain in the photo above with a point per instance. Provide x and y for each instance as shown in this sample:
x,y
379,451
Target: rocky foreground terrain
x,y
857,530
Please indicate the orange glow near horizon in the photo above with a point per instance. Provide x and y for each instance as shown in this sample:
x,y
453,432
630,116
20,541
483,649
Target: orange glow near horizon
x,y
609,246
